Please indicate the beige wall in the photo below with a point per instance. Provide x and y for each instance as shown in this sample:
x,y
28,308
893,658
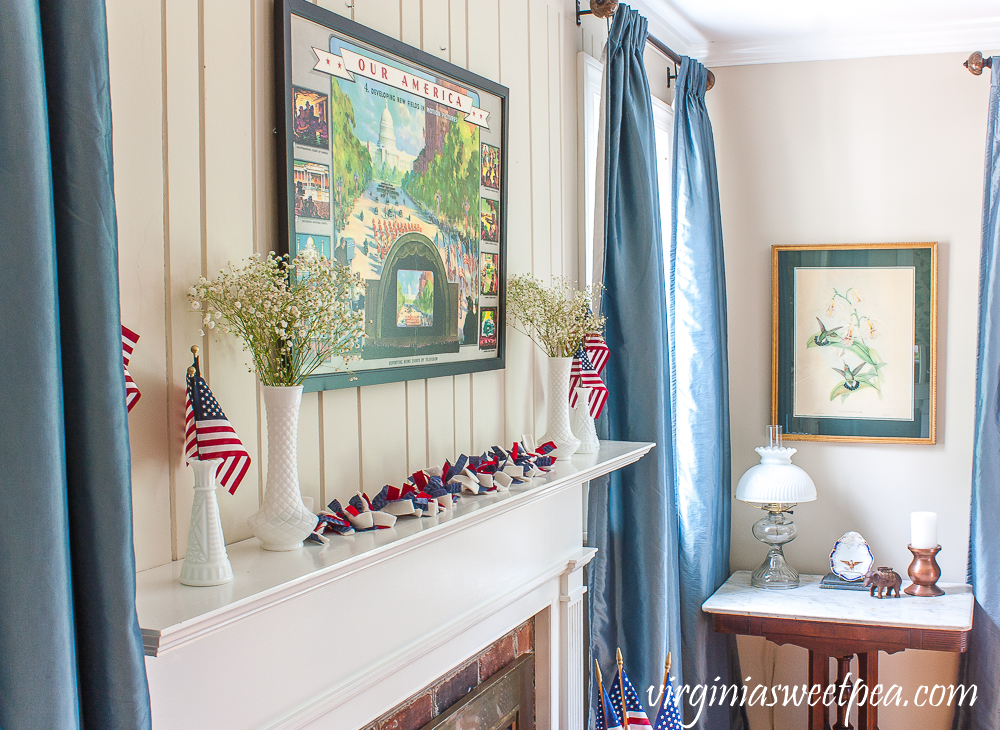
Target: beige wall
x,y
871,150
194,166
850,151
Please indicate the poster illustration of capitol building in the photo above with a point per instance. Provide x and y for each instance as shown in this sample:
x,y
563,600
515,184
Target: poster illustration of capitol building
x,y
389,180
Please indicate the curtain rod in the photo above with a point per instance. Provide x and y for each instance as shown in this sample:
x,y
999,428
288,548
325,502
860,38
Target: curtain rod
x,y
607,8
975,62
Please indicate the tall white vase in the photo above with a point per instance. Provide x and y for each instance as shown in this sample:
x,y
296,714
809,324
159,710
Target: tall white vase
x,y
283,521
583,423
206,562
558,428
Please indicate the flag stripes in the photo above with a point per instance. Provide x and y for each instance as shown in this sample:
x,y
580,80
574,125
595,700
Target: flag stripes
x,y
597,351
582,374
132,394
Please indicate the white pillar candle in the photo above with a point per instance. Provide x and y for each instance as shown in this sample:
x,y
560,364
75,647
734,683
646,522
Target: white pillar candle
x,y
923,530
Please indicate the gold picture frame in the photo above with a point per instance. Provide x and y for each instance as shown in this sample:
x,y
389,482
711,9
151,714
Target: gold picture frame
x,y
843,335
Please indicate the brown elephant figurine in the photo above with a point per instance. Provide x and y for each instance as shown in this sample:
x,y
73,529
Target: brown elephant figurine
x,y
884,579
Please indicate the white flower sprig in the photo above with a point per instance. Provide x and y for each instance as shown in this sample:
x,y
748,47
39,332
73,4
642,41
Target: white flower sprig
x,y
292,318
556,318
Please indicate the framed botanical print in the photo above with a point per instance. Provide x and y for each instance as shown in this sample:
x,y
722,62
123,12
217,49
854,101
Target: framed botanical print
x,y
854,342
394,163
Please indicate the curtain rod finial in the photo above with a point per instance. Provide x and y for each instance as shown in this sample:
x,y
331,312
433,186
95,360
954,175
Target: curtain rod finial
x,y
976,62
710,82
603,8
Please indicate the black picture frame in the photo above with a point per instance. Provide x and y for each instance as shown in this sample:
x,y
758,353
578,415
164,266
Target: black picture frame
x,y
401,246
854,320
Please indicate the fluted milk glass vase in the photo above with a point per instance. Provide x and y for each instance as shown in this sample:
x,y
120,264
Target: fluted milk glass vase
x,y
283,521
206,562
583,423
558,427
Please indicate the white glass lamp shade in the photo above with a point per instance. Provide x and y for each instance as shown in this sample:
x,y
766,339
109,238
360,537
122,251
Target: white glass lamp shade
x,y
775,480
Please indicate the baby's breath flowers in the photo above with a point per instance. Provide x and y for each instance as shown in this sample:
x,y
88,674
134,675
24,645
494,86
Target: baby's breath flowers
x,y
556,317
292,318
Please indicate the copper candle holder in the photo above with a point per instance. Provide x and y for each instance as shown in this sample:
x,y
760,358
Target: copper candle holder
x,y
924,572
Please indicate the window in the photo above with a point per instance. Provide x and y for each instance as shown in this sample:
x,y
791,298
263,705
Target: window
x,y
590,88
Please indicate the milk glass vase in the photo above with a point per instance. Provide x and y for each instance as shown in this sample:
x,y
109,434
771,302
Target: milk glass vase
x,y
206,562
583,423
558,428
283,521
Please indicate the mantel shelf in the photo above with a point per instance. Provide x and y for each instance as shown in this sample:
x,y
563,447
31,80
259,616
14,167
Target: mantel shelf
x,y
172,614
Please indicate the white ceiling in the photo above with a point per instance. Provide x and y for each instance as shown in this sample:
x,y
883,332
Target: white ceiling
x,y
736,32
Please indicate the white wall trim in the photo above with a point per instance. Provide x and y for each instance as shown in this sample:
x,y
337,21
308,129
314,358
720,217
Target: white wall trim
x,y
382,615
678,33
165,630
949,39
590,75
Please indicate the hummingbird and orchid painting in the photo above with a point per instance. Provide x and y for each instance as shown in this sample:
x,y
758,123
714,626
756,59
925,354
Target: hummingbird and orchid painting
x,y
854,341
856,335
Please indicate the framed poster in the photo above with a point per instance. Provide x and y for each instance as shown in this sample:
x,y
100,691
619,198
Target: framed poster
x,y
853,345
394,162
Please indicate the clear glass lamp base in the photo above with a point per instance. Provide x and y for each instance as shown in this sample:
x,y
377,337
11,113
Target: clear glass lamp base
x,y
775,531
774,572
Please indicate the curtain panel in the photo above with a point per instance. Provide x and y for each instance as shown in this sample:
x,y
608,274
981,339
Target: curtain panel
x,y
633,587
981,663
699,367
70,646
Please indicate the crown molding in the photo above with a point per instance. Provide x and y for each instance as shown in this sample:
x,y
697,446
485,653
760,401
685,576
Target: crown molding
x,y
674,29
948,38
669,26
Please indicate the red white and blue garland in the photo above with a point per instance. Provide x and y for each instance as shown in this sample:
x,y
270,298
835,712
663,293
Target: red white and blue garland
x,y
427,492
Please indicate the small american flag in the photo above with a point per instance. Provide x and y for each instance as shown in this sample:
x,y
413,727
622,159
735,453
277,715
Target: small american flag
x,y
668,718
210,435
129,340
631,705
582,374
597,351
607,718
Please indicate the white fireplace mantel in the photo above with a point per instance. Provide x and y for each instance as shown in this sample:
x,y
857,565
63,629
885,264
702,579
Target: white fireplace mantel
x,y
333,636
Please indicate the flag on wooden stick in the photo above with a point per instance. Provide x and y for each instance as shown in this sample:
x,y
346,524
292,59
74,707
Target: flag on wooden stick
x,y
626,699
669,717
209,434
607,718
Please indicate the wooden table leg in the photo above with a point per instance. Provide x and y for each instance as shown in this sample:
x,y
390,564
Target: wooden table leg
x,y
868,673
843,669
819,674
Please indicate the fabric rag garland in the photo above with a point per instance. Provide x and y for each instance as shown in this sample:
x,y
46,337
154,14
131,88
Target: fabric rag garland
x,y
434,490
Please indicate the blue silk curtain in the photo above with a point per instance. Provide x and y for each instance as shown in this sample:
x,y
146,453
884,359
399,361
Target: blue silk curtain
x,y
633,587
70,646
981,664
699,359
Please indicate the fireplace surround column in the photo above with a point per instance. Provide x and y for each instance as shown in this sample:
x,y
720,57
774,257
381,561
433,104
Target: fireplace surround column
x,y
572,692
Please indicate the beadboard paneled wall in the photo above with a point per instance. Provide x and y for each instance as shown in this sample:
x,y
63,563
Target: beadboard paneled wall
x,y
195,184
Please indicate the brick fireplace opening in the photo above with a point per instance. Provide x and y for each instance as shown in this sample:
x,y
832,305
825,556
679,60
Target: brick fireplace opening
x,y
444,694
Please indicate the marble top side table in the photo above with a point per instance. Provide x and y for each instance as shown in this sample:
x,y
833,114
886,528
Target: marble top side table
x,y
840,624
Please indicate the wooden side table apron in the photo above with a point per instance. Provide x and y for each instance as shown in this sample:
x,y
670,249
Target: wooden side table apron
x,y
842,624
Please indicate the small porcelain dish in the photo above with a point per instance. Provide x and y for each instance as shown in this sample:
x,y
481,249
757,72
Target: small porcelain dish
x,y
851,557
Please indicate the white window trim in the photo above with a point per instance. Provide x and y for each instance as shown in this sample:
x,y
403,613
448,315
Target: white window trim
x,y
591,87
